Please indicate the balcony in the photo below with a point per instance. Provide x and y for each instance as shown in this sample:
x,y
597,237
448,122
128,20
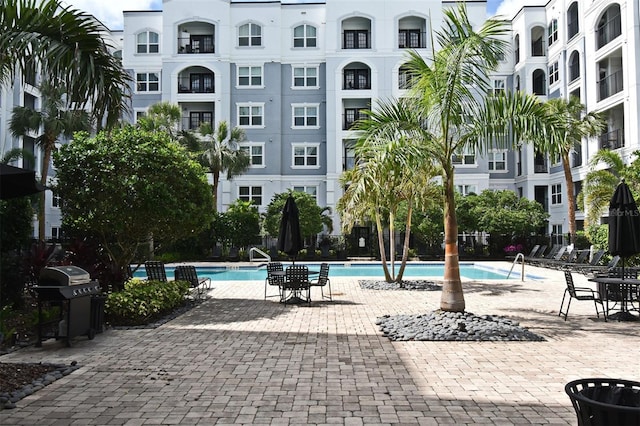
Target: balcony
x,y
356,39
412,39
196,83
351,115
538,47
612,140
195,119
609,85
608,31
196,44
356,79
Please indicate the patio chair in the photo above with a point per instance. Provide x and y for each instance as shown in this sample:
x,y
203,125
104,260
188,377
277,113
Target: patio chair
x,y
580,293
297,281
536,255
190,274
532,253
155,270
323,281
553,256
603,269
234,254
593,263
275,277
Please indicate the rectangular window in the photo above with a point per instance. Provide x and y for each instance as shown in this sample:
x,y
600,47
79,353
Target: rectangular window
x,y
554,75
498,161
356,39
249,76
311,190
466,189
250,115
409,39
553,32
56,201
305,155
148,82
56,233
556,194
305,77
556,234
305,115
498,86
252,194
356,79
255,151
465,157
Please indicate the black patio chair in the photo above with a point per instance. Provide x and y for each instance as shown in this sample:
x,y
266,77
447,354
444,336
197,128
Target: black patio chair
x,y
275,277
579,293
323,281
155,270
296,282
190,274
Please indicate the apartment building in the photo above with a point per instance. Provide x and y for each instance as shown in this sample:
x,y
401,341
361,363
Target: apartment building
x,y
296,74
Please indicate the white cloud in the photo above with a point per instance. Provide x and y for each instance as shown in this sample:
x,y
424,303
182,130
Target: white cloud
x,y
508,8
109,12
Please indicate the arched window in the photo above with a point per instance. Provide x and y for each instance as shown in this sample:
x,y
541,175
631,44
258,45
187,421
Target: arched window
x,y
572,20
552,32
517,48
148,42
574,66
250,35
305,36
539,82
609,25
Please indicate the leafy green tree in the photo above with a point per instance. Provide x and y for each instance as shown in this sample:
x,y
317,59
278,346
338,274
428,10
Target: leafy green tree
x,y
504,213
127,185
383,179
162,117
313,218
452,107
69,46
569,124
243,221
601,183
54,119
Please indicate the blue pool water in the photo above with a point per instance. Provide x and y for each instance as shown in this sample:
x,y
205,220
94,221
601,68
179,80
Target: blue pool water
x,y
420,270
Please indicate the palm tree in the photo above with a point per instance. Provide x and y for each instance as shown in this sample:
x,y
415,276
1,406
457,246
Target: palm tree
x,y
163,117
382,180
568,126
53,120
69,47
600,183
447,114
219,152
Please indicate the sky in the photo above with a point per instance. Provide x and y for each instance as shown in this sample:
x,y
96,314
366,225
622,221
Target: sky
x,y
109,12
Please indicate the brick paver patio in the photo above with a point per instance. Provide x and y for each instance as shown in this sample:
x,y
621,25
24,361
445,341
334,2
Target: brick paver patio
x,y
238,359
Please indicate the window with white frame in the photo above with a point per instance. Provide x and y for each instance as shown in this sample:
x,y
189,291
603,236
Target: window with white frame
x,y
466,189
147,82
252,194
251,115
305,36
556,234
498,161
56,201
554,75
140,113
305,155
499,86
311,190
556,194
249,76
255,151
56,232
553,31
305,77
148,42
464,157
305,115
250,35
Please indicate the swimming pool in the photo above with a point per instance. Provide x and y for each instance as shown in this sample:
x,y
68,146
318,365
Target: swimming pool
x,y
468,270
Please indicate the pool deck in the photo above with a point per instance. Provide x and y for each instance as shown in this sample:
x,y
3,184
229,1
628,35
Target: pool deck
x,y
238,359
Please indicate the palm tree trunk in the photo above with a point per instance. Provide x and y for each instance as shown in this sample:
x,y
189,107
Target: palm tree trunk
x,y
383,255
571,204
46,159
405,246
452,298
392,245
216,180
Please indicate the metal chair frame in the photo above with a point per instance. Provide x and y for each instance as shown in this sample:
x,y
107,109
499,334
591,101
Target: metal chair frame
x,y
190,274
580,293
297,280
276,280
323,280
155,270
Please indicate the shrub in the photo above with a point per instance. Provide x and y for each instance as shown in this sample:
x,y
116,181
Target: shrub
x,y
142,302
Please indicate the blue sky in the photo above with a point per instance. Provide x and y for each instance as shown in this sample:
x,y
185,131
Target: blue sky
x,y
110,11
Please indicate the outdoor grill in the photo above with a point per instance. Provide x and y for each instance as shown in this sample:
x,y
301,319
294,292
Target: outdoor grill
x,y
78,297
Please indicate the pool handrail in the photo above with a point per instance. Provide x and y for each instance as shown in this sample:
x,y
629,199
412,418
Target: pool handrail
x,y
253,250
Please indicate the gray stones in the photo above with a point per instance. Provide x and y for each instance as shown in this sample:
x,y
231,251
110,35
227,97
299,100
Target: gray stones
x,y
8,399
453,326
405,285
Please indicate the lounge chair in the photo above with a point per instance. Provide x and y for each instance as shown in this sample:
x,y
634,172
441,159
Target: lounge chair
x,y
532,253
603,269
553,256
155,270
190,274
537,255
216,253
234,254
595,260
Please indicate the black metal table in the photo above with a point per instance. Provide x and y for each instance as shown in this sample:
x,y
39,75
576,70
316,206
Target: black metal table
x,y
625,287
296,296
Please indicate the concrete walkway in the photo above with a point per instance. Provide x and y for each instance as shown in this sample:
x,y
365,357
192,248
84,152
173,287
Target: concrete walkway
x,y
238,359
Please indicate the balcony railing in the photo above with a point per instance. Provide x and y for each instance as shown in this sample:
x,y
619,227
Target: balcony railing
x,y
610,85
609,30
356,80
196,44
203,83
612,140
537,47
412,39
356,39
193,121
350,116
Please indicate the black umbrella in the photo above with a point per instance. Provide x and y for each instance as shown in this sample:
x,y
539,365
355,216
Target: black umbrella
x,y
290,237
17,182
624,224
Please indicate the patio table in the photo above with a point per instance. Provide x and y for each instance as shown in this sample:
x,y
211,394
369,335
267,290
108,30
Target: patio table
x,y
626,288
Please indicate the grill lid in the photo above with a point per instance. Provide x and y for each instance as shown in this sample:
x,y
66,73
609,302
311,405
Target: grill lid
x,y
63,276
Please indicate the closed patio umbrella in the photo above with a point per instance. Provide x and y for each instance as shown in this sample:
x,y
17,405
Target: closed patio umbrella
x,y
289,235
624,223
17,182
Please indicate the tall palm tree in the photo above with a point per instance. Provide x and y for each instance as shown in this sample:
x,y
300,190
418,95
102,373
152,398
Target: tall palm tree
x,y
69,47
53,120
447,113
568,126
219,152
600,183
